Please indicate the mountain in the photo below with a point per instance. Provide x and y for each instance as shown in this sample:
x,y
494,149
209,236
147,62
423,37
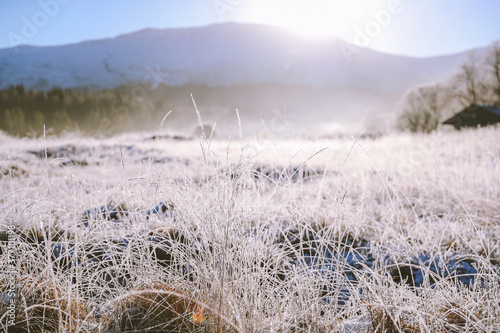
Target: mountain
x,y
259,69
217,55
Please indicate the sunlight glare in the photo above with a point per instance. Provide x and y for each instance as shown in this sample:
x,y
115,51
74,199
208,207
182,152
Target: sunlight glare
x,y
313,18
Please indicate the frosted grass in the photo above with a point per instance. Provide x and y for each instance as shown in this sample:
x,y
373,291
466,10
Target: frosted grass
x,y
367,235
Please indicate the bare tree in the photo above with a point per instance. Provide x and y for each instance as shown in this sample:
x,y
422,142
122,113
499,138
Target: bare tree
x,y
421,108
493,67
468,86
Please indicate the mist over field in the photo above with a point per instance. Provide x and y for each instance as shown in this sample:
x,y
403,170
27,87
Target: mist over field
x,y
279,169
263,71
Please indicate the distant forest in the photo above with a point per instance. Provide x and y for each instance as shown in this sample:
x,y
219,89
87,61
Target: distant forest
x,y
24,112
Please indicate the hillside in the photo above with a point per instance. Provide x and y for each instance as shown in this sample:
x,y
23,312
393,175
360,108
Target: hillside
x,y
258,69
216,55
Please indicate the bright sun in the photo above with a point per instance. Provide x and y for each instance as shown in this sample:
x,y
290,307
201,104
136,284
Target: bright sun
x,y
314,18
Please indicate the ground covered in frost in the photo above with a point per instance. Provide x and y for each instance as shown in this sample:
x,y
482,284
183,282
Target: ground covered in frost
x,y
160,234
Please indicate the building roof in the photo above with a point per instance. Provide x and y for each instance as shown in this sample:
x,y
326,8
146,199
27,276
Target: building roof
x,y
492,109
472,109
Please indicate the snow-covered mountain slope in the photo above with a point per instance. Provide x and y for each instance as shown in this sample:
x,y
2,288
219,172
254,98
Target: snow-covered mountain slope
x,y
217,55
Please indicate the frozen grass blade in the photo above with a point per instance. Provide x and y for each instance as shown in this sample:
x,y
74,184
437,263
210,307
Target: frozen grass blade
x,y
211,244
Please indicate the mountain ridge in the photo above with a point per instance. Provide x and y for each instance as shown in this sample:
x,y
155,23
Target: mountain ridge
x,y
216,55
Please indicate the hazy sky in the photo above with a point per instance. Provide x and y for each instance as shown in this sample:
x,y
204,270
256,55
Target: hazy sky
x,y
410,27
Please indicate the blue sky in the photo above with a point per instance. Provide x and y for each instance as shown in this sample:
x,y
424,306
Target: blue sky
x,y
414,27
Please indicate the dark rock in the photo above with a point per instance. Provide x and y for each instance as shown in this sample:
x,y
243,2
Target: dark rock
x,y
163,208
415,272
108,212
71,162
13,171
64,151
62,255
169,137
292,174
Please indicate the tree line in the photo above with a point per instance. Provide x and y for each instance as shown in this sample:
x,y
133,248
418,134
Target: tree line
x,y
477,81
25,112
125,108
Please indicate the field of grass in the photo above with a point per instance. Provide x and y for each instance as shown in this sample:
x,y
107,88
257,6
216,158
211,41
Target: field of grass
x,y
399,233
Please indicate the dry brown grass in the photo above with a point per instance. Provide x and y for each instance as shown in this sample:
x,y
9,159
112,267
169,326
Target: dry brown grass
x,y
459,317
43,305
159,307
384,321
